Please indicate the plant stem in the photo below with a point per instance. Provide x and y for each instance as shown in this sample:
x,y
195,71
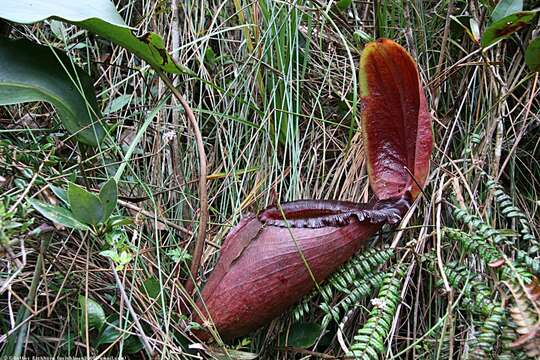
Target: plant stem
x,y
134,315
17,353
203,195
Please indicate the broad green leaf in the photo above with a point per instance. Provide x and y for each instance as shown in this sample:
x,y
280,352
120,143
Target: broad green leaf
x,y
532,55
30,72
60,193
109,334
506,26
303,335
108,196
343,5
151,287
97,16
505,8
120,221
57,214
96,315
85,206
117,103
132,345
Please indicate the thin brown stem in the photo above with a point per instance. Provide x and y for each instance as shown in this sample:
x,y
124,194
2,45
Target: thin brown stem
x,y
203,195
125,298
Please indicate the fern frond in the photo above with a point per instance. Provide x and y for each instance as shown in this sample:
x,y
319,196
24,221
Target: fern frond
x,y
525,314
508,336
489,331
533,265
510,211
481,227
361,289
369,341
477,295
489,254
359,267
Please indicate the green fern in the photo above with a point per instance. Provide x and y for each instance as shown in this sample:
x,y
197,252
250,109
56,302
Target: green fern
x,y
481,227
487,252
524,265
533,265
347,279
369,341
361,289
510,211
508,336
490,330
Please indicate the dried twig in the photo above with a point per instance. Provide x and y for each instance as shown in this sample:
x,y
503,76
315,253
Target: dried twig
x,y
134,315
31,296
203,196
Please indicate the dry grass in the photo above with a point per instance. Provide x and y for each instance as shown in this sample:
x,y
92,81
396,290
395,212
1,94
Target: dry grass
x,y
276,100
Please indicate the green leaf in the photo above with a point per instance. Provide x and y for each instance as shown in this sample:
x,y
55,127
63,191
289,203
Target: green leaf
x,y
119,220
506,26
132,345
96,315
57,214
118,103
343,5
30,72
505,8
110,334
97,16
303,335
227,354
85,206
151,287
60,193
108,196
532,55
112,254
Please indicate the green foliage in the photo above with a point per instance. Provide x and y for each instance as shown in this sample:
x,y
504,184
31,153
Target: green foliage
x,y
179,255
11,224
482,247
360,290
97,16
108,196
368,343
510,211
493,325
119,249
58,214
302,335
152,287
487,337
483,229
532,55
505,8
92,310
350,275
30,72
85,206
503,28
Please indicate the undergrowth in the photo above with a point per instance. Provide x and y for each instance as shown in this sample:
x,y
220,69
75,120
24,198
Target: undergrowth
x,y
274,88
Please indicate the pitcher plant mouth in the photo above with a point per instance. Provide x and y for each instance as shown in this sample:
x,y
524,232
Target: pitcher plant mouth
x,y
320,213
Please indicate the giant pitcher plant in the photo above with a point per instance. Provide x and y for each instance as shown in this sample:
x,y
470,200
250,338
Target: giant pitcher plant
x,y
269,261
